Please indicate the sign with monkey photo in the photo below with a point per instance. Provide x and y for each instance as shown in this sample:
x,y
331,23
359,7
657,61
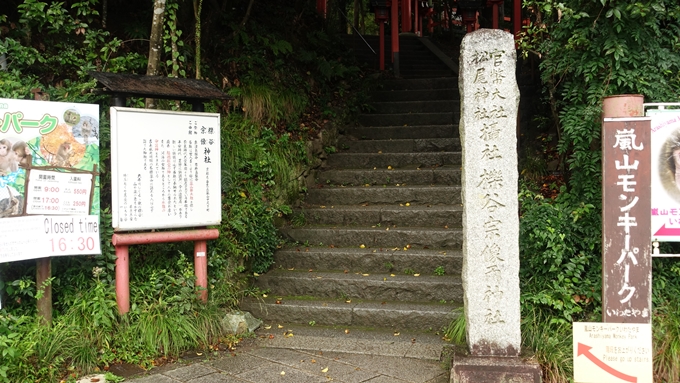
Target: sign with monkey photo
x,y
49,154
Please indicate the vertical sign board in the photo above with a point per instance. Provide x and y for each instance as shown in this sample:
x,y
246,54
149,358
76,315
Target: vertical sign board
x,y
665,175
165,169
626,243
613,352
56,187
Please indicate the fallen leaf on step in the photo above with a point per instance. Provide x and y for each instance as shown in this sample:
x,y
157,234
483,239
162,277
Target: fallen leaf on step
x,y
384,279
397,333
397,184
325,370
362,246
291,269
278,302
256,274
387,229
401,204
365,275
310,270
346,271
391,275
379,151
407,204
283,373
279,326
446,226
348,301
323,207
374,168
416,275
271,336
442,252
346,331
313,360
264,295
389,167
267,327
374,251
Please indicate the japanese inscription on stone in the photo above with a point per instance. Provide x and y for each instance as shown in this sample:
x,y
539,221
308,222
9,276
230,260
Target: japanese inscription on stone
x,y
626,242
489,101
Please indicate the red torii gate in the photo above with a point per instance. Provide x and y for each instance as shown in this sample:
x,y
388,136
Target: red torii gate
x,y
412,12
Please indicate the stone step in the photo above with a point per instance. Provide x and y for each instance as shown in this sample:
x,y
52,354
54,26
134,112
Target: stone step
x,y
400,146
356,346
376,238
425,74
385,216
414,95
402,132
330,312
388,195
420,84
383,160
432,106
445,175
380,260
411,119
377,287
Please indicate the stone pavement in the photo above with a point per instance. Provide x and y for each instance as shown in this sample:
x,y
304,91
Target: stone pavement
x,y
306,354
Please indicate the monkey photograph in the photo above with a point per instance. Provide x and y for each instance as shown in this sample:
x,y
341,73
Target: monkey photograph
x,y
86,131
62,158
8,163
21,153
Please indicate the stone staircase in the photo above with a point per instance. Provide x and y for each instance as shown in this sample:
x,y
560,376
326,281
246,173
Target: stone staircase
x,y
377,241
417,58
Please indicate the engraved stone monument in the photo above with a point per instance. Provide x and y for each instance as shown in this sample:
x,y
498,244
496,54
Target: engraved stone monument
x,y
489,104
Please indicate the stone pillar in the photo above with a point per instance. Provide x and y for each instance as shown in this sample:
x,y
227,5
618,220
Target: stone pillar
x,y
489,105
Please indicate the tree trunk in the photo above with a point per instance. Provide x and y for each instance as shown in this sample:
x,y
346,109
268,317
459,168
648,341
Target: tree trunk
x,y
198,5
155,44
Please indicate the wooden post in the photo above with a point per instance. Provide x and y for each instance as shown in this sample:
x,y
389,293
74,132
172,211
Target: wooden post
x,y
42,275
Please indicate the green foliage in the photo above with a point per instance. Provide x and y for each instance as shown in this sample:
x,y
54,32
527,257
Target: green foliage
x,y
589,50
439,270
456,330
54,47
551,344
559,270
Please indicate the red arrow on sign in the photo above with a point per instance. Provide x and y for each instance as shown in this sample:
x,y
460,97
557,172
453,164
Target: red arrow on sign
x,y
585,350
669,231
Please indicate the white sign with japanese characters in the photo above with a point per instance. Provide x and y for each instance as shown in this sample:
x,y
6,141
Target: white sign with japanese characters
x,y
612,352
665,174
165,169
58,193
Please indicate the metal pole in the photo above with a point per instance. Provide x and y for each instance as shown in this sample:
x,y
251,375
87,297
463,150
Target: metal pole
x,y
201,268
382,45
395,37
122,279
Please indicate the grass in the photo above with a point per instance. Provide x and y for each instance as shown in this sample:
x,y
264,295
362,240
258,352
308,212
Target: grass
x,y
666,340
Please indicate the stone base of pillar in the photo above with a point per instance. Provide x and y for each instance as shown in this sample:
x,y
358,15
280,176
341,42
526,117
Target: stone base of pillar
x,y
479,369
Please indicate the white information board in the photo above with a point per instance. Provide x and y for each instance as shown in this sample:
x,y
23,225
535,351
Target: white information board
x,y
613,352
58,193
665,174
165,169
40,236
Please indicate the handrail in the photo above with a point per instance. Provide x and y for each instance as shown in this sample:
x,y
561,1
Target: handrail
x,y
359,33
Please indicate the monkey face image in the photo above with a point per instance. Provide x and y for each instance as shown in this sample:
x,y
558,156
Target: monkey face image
x,y
21,151
71,117
8,163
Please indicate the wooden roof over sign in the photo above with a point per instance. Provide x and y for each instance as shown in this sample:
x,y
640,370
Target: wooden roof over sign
x,y
158,87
